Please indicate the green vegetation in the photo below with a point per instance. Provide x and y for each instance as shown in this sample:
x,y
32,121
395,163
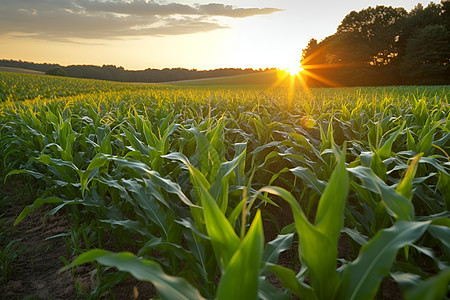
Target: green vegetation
x,y
209,186
15,87
56,72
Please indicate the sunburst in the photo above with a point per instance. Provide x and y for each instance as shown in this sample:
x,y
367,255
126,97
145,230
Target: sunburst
x,y
297,74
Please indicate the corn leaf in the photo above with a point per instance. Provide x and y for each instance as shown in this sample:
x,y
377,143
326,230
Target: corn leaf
x,y
244,265
363,276
290,282
318,250
223,237
435,287
397,204
386,148
169,287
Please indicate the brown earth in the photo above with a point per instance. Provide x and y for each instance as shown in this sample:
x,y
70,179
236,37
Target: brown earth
x,y
36,269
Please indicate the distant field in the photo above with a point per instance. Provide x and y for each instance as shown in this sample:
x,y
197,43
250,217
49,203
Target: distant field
x,y
337,193
266,79
19,70
22,86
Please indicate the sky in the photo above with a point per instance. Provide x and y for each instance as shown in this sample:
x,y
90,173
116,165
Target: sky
x,y
193,34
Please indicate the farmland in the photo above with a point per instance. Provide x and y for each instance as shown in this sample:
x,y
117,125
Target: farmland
x,y
204,191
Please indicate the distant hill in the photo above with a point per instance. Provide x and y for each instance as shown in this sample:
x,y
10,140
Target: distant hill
x,y
114,73
267,79
19,70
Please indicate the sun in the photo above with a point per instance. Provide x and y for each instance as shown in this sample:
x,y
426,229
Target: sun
x,y
294,69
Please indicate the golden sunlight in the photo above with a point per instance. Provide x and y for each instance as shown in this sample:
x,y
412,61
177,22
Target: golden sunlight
x,y
295,69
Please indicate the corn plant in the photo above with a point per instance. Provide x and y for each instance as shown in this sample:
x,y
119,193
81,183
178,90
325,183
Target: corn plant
x,y
186,177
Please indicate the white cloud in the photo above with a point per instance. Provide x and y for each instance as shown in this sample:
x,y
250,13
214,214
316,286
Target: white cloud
x,y
94,19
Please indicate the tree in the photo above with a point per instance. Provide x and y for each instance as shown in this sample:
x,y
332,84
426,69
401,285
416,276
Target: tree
x,y
386,45
445,14
427,58
56,72
370,35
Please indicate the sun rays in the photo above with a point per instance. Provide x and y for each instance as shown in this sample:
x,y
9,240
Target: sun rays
x,y
300,74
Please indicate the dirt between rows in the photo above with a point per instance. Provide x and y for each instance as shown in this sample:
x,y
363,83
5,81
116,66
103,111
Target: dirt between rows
x,y
37,266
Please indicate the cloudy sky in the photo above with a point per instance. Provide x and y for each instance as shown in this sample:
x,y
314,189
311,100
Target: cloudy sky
x,y
140,34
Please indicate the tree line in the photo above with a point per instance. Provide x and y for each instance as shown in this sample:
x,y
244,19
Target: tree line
x,y
114,73
383,46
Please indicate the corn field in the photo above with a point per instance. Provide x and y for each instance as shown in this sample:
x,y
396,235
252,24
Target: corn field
x,y
200,190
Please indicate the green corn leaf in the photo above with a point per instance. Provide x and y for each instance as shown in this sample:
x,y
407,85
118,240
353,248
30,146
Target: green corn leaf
x,y
207,155
168,287
410,142
426,128
435,163
318,250
378,167
330,211
386,148
435,287
219,188
136,143
442,141
405,280
239,171
105,145
425,142
68,149
266,291
237,210
165,123
363,276
275,247
164,142
223,238
405,186
309,179
150,137
36,204
195,174
240,277
444,187
374,135
24,171
129,225
62,167
290,282
397,205
441,233
166,184
148,204
98,161
216,136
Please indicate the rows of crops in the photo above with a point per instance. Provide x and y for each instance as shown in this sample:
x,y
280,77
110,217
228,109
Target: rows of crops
x,y
210,186
14,87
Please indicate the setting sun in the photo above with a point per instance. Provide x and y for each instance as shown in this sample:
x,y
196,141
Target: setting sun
x,y
294,69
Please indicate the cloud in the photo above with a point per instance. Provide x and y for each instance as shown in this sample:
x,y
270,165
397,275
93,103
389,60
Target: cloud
x,y
216,9
143,8
95,19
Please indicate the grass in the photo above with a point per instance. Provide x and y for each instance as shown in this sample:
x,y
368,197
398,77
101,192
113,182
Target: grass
x,y
187,174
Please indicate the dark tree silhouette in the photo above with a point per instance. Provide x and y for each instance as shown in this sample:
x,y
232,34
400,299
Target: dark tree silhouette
x,y
385,45
426,57
56,72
